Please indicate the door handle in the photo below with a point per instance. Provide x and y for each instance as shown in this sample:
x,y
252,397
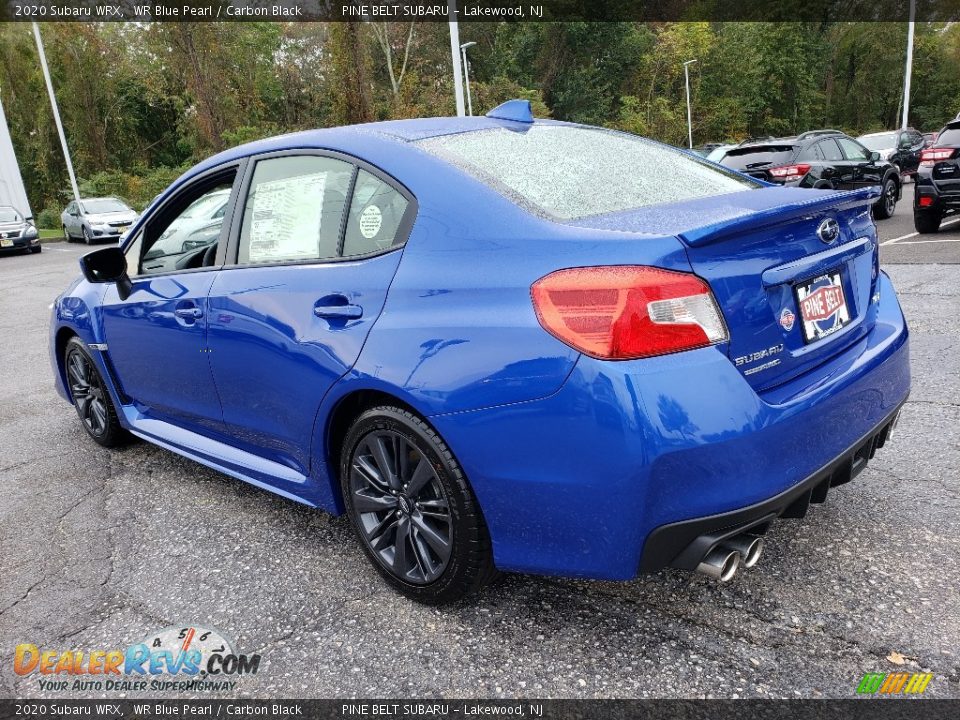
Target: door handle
x,y
189,313
349,312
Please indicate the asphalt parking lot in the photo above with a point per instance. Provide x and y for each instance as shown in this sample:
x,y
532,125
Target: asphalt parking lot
x,y
99,548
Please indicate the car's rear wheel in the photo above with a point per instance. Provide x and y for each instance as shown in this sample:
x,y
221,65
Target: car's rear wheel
x,y
926,221
90,396
411,506
887,204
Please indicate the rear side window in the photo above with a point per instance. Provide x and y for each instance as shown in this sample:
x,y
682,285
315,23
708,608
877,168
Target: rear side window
x,y
811,153
949,136
830,150
567,172
294,209
375,214
758,157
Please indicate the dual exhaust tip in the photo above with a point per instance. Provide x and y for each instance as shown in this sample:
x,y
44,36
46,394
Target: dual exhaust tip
x,y
725,559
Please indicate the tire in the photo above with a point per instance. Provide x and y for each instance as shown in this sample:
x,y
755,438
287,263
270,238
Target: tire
x,y
66,235
90,396
86,235
412,508
926,221
36,249
887,204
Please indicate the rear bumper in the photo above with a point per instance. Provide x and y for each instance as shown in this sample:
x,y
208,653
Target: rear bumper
x,y
698,536
630,462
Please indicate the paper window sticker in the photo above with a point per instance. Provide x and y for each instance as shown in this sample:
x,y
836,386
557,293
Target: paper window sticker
x,y
371,220
286,218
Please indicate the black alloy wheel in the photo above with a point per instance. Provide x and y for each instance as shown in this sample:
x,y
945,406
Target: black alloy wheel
x,y
412,508
887,203
91,397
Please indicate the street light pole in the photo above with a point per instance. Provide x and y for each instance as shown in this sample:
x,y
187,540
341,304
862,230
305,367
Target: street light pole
x,y
56,112
909,71
455,55
686,77
466,74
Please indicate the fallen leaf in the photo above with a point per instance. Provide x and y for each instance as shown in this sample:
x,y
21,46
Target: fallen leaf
x,y
896,658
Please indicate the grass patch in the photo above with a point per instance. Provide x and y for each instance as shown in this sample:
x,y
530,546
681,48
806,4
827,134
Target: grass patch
x,y
51,234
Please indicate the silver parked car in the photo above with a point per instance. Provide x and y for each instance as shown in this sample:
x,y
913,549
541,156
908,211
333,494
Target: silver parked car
x,y
17,232
94,219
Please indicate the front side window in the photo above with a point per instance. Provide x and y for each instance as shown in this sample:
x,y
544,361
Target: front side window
x,y
567,172
853,150
294,210
184,234
376,211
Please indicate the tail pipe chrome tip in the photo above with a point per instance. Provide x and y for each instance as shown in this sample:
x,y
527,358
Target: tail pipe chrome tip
x,y
750,548
720,563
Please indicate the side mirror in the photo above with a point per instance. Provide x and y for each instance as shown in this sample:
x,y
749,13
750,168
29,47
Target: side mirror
x,y
107,265
874,156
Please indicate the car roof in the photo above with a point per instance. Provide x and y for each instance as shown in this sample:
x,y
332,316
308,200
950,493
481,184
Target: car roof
x,y
367,140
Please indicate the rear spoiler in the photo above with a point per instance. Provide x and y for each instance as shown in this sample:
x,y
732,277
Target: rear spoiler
x,y
815,207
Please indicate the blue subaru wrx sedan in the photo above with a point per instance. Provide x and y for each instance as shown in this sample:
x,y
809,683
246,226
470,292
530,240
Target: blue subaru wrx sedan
x,y
498,344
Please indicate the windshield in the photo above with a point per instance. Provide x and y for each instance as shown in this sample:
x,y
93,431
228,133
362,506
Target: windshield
x,y
758,156
9,215
106,205
879,142
567,172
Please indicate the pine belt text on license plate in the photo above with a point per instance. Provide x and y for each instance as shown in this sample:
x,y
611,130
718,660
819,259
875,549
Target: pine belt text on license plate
x,y
823,307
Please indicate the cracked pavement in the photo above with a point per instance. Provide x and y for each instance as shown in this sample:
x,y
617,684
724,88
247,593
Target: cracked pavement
x,y
99,547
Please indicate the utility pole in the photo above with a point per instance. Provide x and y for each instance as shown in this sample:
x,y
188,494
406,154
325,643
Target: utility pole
x,y
909,70
466,74
455,56
686,77
56,112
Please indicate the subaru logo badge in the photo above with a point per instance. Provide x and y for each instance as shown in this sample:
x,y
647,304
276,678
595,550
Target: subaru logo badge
x,y
828,231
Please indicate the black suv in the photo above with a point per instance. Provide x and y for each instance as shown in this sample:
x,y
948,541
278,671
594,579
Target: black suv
x,y
821,159
901,147
938,180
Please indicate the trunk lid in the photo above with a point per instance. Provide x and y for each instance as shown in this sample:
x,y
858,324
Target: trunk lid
x,y
763,256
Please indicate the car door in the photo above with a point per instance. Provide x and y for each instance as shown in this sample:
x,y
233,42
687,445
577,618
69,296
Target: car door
x,y
156,336
71,222
912,145
866,171
842,173
315,244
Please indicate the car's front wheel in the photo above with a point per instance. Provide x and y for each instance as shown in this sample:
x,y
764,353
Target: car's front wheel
x,y
90,396
887,203
66,236
86,235
926,221
412,507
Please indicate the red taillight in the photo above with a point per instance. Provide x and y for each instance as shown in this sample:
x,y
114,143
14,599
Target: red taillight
x,y
931,156
628,311
924,201
789,172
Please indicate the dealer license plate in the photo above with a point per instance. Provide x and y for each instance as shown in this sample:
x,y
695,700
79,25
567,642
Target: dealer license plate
x,y
823,307
6,242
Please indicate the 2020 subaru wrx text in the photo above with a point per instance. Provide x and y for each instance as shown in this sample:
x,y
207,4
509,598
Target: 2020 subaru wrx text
x,y
499,344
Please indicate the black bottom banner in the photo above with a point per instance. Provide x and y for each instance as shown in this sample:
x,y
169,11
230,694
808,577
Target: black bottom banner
x,y
863,709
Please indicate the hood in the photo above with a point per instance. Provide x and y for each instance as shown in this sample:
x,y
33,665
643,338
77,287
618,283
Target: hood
x,y
112,217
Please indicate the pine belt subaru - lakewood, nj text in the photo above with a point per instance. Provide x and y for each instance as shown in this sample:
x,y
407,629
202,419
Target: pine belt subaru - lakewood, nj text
x,y
500,343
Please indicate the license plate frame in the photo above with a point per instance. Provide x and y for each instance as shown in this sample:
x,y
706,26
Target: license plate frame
x,y
822,306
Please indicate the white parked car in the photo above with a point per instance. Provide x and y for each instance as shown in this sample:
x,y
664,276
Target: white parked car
x,y
94,219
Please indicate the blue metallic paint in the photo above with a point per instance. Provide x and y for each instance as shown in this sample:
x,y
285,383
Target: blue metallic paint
x,y
573,460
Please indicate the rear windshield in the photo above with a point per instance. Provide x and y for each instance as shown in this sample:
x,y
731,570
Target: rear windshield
x,y
568,172
761,156
950,135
